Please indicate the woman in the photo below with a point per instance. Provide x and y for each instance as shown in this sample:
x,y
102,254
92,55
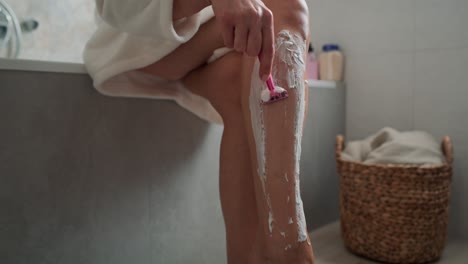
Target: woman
x,y
160,48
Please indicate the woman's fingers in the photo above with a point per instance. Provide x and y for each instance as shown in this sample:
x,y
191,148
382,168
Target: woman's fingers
x,y
228,35
247,26
254,39
267,47
240,38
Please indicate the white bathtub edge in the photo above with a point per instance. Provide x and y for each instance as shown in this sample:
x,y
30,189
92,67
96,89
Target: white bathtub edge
x,y
41,66
79,68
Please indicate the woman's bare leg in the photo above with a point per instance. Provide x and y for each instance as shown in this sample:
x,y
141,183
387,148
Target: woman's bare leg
x,y
220,83
275,132
278,206
247,208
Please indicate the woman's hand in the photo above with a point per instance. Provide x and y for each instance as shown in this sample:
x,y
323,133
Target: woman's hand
x,y
247,26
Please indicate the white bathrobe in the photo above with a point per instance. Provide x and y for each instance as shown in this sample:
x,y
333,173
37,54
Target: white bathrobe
x,y
135,34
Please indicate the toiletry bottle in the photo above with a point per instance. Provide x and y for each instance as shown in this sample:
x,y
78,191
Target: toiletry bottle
x,y
311,65
331,63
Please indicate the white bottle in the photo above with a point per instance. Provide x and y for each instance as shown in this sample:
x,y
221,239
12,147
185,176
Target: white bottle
x,y
331,63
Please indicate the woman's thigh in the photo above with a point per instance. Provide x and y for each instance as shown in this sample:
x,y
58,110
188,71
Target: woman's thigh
x,y
292,14
219,82
185,8
190,55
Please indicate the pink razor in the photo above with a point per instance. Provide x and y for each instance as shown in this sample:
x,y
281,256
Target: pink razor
x,y
273,93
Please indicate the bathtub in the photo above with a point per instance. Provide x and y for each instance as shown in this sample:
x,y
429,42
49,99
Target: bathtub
x,y
92,179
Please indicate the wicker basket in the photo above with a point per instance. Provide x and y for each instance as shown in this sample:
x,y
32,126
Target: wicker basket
x,y
395,213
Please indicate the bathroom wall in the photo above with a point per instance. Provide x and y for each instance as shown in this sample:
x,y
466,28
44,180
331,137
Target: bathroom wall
x,y
406,68
64,28
86,178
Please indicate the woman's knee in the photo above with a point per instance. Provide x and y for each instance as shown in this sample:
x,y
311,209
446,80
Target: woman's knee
x,y
293,14
164,70
226,96
292,35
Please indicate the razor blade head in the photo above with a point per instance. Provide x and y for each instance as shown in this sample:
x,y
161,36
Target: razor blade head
x,y
275,97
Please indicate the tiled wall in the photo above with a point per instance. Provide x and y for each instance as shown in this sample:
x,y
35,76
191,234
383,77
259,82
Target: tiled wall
x,y
407,67
64,28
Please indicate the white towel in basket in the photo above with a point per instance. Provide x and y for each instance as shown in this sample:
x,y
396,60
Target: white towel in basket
x,y
389,146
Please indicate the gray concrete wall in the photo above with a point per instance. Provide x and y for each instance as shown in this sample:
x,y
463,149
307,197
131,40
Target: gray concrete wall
x,y
86,178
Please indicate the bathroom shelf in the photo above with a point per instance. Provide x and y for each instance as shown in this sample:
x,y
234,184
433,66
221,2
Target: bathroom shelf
x,y
324,84
329,249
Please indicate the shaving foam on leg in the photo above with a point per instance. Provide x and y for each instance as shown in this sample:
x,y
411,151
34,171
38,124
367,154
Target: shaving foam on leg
x,y
256,111
288,72
290,49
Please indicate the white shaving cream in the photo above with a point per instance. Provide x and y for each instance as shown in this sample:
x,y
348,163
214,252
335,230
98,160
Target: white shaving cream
x,y
290,49
256,111
270,221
